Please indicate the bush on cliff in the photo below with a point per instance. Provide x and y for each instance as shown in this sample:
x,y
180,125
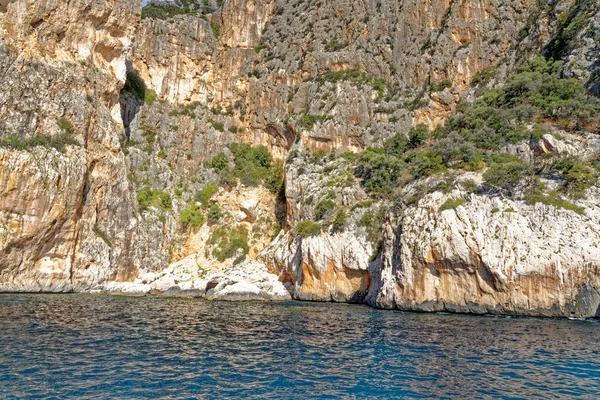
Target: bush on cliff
x,y
192,216
148,197
58,142
308,228
253,166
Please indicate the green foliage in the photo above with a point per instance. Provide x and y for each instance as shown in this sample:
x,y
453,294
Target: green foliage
x,y
539,86
382,173
150,96
65,126
578,176
214,213
180,7
192,216
204,195
355,75
216,29
439,86
418,135
187,110
219,126
308,228
397,145
538,195
308,121
505,175
148,197
274,181
161,11
228,241
56,142
135,85
371,223
452,204
220,163
483,76
568,26
324,209
339,220
253,164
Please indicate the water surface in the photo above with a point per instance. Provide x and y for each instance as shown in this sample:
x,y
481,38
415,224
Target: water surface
x,y
80,346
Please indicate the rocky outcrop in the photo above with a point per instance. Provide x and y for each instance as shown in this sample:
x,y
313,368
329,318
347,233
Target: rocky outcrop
x,y
490,256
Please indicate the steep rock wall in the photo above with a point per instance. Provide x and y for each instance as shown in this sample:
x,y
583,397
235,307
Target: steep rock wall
x,y
68,215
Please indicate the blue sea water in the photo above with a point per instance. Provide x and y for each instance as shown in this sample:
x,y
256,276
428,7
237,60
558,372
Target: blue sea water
x,y
97,347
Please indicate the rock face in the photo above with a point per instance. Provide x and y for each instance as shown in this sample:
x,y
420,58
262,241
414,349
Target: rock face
x,y
111,190
529,260
67,217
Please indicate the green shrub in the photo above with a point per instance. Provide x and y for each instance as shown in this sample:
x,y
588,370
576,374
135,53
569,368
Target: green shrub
x,y
189,7
148,197
308,121
553,198
397,145
192,216
186,110
220,163
418,135
219,126
452,204
308,228
340,220
373,224
65,126
438,87
324,209
204,195
579,178
216,29
56,142
150,97
505,176
355,75
254,166
275,179
380,173
228,241
214,213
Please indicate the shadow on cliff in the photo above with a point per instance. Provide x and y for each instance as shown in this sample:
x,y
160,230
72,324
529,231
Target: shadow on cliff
x,y
132,97
593,84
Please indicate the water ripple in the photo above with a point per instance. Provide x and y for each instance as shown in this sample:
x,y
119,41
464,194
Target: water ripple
x,y
89,347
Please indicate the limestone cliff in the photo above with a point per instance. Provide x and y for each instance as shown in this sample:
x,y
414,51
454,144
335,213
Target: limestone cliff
x,y
122,167
67,216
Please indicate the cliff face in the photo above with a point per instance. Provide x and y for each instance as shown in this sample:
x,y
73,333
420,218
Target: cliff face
x,y
62,68
113,190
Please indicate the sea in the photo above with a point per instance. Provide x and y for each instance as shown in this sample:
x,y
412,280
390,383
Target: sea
x,y
77,346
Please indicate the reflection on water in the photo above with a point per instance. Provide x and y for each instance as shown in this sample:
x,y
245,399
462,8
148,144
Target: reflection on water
x,y
81,346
